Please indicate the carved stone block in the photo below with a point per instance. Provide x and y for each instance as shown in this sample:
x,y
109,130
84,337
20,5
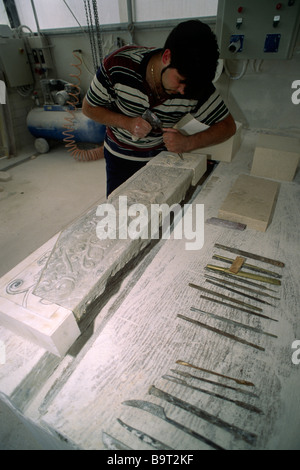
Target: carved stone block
x,y
80,264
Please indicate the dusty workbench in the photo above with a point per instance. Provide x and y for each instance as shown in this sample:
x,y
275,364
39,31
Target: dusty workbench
x,y
137,338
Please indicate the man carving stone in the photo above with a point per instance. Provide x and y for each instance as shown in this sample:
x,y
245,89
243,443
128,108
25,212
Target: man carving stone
x,y
171,82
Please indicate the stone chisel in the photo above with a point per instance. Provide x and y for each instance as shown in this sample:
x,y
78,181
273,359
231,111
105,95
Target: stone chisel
x,y
240,286
234,323
220,302
249,266
145,437
221,332
112,443
248,437
250,255
159,412
211,382
226,297
237,381
243,274
241,404
230,289
244,281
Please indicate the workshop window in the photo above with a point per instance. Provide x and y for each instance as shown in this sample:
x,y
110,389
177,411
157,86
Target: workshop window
x,y
146,10
72,13
3,15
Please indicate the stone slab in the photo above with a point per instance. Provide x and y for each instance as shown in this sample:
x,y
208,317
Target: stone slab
x,y
251,201
81,264
276,157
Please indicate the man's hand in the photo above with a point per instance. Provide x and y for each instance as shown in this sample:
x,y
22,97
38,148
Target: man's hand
x,y
174,140
139,128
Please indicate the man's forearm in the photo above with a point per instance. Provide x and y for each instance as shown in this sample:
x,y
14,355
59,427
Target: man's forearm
x,y
214,135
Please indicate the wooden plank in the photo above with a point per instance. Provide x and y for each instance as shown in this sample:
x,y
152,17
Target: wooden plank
x,y
251,201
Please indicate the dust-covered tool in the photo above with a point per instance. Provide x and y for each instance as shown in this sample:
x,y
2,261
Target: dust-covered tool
x,y
221,332
243,274
241,309
248,437
217,374
156,444
248,289
233,322
112,443
235,291
226,223
251,267
225,297
153,120
212,382
251,255
159,412
239,403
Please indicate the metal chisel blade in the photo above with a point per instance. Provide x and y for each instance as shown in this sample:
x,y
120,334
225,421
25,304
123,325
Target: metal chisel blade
x,y
241,286
159,412
249,266
226,297
237,381
145,437
250,255
211,382
241,404
226,304
112,443
232,322
221,332
244,281
230,289
243,274
248,437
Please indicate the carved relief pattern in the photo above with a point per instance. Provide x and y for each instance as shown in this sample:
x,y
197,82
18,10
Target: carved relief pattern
x,y
79,258
23,286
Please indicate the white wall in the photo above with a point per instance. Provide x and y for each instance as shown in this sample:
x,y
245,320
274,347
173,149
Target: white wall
x,y
260,100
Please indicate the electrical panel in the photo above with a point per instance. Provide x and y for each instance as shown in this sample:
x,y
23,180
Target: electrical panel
x,y
15,63
41,56
257,29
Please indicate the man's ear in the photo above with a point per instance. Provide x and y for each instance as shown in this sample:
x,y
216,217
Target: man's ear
x,y
166,57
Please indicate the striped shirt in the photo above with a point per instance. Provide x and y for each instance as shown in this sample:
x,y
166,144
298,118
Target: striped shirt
x,y
120,85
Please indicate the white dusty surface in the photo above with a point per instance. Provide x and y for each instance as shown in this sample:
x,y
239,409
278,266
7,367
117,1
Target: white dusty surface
x,y
137,338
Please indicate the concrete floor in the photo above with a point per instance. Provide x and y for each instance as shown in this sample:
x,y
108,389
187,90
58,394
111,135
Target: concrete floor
x,y
45,194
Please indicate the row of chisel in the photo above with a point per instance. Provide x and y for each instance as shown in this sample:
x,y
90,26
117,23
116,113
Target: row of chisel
x,y
250,282
186,379
238,283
